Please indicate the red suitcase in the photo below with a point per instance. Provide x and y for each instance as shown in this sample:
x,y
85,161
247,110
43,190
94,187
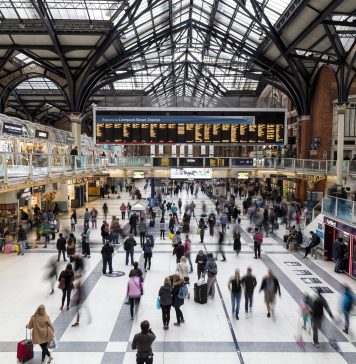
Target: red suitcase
x,y
25,350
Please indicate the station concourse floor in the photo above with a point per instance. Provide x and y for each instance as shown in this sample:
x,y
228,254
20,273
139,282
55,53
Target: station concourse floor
x,y
206,336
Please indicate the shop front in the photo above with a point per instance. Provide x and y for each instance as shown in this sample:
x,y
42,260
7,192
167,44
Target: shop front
x,y
334,229
77,192
95,182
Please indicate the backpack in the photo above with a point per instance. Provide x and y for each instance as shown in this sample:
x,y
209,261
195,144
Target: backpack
x,y
213,269
259,238
183,292
127,245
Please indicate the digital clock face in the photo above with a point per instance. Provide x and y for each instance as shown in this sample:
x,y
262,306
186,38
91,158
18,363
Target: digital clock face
x,y
262,127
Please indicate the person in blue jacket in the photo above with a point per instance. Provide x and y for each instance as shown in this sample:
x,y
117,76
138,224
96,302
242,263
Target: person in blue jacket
x,y
348,299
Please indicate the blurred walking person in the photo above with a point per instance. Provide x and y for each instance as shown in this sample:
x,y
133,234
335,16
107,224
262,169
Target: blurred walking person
x,y
52,272
270,286
317,315
66,279
221,246
348,299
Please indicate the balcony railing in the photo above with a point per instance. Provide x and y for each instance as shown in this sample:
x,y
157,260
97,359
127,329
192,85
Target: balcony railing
x,y
16,167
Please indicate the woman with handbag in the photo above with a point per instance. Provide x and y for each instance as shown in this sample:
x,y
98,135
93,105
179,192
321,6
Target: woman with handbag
x,y
66,279
42,331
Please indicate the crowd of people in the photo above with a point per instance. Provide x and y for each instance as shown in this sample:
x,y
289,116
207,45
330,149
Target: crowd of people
x,y
261,207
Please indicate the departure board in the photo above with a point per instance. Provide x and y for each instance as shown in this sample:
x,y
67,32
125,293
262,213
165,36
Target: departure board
x,y
172,133
136,133
189,133
127,133
225,133
208,133
145,133
180,133
244,134
162,133
217,133
199,133
153,133
255,126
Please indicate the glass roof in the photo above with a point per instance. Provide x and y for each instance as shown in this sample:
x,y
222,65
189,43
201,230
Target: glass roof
x,y
61,9
177,47
346,33
38,83
211,66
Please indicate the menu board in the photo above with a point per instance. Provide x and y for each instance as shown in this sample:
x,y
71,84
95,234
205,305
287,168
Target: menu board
x,y
261,127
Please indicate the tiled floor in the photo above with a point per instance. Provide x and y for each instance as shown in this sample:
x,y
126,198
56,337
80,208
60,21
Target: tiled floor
x,y
209,331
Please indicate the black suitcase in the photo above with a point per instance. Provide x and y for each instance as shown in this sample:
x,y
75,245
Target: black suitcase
x,y
201,293
152,223
275,226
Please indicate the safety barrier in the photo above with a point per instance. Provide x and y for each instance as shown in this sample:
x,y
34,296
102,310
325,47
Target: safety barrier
x,y
24,166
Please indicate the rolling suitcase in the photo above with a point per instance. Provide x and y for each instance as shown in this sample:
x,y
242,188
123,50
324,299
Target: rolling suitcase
x,y
275,226
152,223
25,350
201,293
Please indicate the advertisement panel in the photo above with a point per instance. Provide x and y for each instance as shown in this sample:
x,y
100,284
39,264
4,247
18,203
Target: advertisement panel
x,y
138,174
191,173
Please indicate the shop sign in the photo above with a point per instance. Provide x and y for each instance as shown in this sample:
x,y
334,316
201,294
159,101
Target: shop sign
x,y
191,162
79,181
25,193
37,189
340,226
41,134
14,129
246,162
165,162
217,162
330,222
70,139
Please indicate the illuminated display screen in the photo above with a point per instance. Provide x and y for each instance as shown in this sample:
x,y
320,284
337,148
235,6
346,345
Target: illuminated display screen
x,y
244,127
191,173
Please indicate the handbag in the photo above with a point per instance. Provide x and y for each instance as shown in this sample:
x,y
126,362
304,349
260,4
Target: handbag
x,y
52,344
158,303
62,282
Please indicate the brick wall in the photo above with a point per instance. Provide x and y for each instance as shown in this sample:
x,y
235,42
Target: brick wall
x,y
321,113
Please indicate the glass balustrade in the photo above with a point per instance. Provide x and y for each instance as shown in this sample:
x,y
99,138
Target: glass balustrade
x,y
16,166
340,208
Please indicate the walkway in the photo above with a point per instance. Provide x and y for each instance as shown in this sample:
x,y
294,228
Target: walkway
x,y
208,334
